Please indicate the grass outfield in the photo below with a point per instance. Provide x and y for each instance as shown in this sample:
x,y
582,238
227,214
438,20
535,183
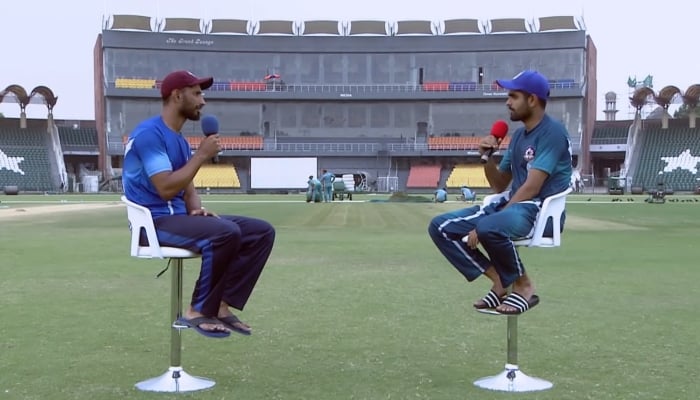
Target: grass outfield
x,y
355,303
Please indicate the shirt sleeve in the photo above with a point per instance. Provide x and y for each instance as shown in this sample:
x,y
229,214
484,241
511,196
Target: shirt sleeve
x,y
151,151
549,152
504,165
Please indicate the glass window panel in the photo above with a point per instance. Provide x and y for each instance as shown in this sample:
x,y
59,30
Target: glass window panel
x,y
357,68
380,68
310,115
403,115
381,115
334,115
357,115
333,65
309,68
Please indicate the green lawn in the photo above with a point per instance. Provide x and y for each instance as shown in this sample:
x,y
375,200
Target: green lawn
x,y
355,303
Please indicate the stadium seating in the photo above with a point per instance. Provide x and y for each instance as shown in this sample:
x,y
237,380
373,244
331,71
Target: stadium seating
x,y
248,86
470,175
669,155
231,142
217,176
436,86
24,159
423,176
134,83
80,137
610,135
459,142
453,143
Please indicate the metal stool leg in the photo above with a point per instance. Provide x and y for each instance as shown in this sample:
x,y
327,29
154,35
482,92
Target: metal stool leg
x,y
512,379
175,379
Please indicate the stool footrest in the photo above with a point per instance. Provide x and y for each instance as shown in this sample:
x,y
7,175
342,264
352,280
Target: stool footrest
x,y
513,380
175,380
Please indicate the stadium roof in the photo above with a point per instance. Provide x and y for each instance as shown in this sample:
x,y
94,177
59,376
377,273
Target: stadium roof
x,y
321,28
458,26
234,26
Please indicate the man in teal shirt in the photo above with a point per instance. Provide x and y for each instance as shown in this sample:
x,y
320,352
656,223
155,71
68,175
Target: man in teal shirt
x,y
327,179
313,192
441,195
536,165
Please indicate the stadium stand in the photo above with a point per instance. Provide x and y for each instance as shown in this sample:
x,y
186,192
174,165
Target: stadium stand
x,y
24,160
77,138
669,155
423,176
217,176
610,134
408,92
470,175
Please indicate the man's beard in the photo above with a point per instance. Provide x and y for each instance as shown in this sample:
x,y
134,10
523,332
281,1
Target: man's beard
x,y
193,115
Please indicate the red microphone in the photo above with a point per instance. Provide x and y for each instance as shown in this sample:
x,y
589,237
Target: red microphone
x,y
499,130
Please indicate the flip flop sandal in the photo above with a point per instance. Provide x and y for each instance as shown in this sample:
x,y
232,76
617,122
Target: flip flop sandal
x,y
519,303
230,322
491,300
183,322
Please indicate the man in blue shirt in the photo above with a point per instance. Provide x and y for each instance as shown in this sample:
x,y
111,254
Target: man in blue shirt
x,y
313,191
467,194
158,173
537,164
440,195
327,179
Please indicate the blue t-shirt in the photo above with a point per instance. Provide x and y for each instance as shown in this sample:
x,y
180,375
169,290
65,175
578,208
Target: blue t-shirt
x,y
467,193
314,184
440,195
327,179
547,147
153,148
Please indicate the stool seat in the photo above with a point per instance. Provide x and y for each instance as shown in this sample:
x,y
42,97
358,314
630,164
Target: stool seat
x,y
175,379
166,252
512,379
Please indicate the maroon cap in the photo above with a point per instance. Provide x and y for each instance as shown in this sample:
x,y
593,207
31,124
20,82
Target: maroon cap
x,y
182,79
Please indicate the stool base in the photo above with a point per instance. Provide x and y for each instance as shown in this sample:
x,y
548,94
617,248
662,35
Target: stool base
x,y
513,380
175,380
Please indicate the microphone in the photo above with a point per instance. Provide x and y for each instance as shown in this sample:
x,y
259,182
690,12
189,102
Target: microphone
x,y
210,126
499,130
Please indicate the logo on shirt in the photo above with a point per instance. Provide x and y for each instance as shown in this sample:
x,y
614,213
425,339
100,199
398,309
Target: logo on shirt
x,y
529,154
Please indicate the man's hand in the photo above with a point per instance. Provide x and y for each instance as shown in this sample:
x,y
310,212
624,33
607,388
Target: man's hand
x,y
487,143
472,239
209,147
203,212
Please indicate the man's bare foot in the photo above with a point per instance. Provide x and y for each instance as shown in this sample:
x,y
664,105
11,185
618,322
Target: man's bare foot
x,y
190,314
494,297
232,321
524,287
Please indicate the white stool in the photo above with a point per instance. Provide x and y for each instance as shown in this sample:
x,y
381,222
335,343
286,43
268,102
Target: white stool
x,y
512,379
175,379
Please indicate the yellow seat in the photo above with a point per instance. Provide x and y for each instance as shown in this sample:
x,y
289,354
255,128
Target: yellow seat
x,y
470,175
217,176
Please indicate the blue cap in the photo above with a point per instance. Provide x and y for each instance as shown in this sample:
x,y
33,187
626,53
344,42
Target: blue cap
x,y
527,81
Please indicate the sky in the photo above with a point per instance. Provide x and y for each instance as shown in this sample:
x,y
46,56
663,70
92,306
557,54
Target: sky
x,y
50,43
